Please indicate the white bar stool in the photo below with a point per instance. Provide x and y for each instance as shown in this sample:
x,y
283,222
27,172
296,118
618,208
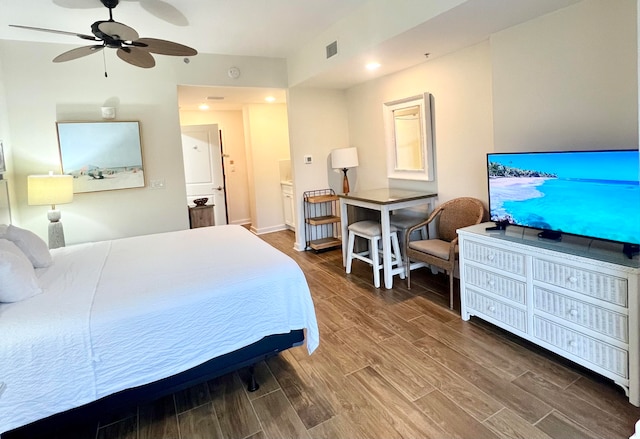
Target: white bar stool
x,y
403,222
372,231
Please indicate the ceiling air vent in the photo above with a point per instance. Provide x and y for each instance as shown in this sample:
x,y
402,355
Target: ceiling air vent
x,y
332,49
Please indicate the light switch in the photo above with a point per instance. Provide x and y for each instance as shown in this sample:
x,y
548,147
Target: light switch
x,y
308,159
157,184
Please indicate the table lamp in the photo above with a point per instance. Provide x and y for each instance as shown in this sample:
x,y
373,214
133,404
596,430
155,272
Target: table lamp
x,y
51,190
344,158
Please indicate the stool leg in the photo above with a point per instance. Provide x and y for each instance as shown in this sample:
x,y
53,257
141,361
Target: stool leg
x,y
374,254
350,244
451,290
407,266
396,253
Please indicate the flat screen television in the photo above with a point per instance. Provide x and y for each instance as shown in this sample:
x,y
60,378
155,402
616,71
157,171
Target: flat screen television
x,y
588,193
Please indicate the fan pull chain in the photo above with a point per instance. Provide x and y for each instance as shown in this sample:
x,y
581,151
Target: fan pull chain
x,y
104,62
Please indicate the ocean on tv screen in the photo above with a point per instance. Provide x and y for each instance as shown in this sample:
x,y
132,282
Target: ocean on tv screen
x,y
595,194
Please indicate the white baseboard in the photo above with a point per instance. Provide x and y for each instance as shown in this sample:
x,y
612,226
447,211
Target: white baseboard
x,y
241,222
268,229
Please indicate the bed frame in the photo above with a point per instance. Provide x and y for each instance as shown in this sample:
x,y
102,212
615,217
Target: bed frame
x,y
248,356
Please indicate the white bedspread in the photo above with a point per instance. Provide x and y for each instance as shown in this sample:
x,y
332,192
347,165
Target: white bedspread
x,y
128,312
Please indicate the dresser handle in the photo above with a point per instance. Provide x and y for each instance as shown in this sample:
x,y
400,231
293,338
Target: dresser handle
x,y
573,312
573,279
491,256
491,282
492,308
572,343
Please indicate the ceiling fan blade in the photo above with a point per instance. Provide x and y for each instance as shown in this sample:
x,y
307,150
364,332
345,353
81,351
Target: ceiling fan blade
x,y
164,47
136,57
159,8
164,11
77,4
54,31
77,53
117,30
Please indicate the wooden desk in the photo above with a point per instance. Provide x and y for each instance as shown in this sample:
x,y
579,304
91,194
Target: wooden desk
x,y
384,200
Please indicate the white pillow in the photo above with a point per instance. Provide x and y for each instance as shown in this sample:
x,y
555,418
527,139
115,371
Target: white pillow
x,y
18,279
31,244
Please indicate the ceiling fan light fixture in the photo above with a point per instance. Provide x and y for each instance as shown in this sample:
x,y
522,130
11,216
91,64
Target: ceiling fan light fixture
x,y
114,30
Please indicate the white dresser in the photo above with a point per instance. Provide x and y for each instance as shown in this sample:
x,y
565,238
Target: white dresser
x,y
577,297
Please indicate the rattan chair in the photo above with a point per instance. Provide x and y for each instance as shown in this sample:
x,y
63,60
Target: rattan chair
x,y
442,252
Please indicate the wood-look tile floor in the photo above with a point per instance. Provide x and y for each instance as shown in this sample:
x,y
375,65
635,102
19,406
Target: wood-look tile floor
x,y
391,364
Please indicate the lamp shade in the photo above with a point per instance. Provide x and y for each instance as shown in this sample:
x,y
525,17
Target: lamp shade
x,y
49,189
343,158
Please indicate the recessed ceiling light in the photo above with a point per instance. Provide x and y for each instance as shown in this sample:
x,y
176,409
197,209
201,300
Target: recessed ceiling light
x,y
203,107
270,99
373,66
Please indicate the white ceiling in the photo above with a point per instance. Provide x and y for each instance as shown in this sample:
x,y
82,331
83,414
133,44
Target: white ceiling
x,y
226,98
270,28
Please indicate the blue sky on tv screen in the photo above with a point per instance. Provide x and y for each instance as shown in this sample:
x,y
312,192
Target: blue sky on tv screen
x,y
593,165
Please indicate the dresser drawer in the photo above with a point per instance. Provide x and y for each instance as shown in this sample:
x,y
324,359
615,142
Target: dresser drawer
x,y
496,284
601,286
590,316
508,261
594,351
510,315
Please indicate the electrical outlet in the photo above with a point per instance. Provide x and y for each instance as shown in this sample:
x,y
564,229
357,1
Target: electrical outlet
x,y
308,159
157,184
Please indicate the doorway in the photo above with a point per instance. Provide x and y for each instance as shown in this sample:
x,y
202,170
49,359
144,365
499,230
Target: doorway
x,y
204,168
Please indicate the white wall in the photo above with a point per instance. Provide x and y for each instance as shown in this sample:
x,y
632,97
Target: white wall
x,y
267,142
564,80
568,80
318,123
40,92
461,88
360,32
4,134
235,161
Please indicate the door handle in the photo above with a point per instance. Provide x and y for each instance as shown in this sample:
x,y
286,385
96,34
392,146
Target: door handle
x,y
219,188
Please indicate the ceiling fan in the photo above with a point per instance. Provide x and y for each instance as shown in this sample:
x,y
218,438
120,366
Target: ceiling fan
x,y
130,47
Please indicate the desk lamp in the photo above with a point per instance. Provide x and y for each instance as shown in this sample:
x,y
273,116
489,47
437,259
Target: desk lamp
x,y
51,190
344,158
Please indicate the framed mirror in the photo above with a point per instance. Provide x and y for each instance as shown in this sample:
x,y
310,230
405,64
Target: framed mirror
x,y
409,138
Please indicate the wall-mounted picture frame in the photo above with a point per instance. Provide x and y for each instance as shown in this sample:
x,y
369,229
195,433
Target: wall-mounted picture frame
x,y
3,166
101,156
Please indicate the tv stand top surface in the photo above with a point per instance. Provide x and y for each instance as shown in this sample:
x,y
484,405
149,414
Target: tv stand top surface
x,y
591,248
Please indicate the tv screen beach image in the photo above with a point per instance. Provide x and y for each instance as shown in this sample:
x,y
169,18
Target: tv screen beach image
x,y
590,193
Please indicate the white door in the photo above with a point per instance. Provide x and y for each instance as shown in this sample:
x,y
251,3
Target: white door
x,y
203,168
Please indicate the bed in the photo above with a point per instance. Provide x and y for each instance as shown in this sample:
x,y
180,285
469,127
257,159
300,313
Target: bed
x,y
122,315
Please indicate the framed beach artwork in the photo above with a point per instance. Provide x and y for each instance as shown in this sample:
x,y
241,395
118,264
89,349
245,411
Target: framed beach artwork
x,y
101,156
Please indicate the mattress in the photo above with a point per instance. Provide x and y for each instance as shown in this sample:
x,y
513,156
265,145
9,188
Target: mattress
x,y
123,313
